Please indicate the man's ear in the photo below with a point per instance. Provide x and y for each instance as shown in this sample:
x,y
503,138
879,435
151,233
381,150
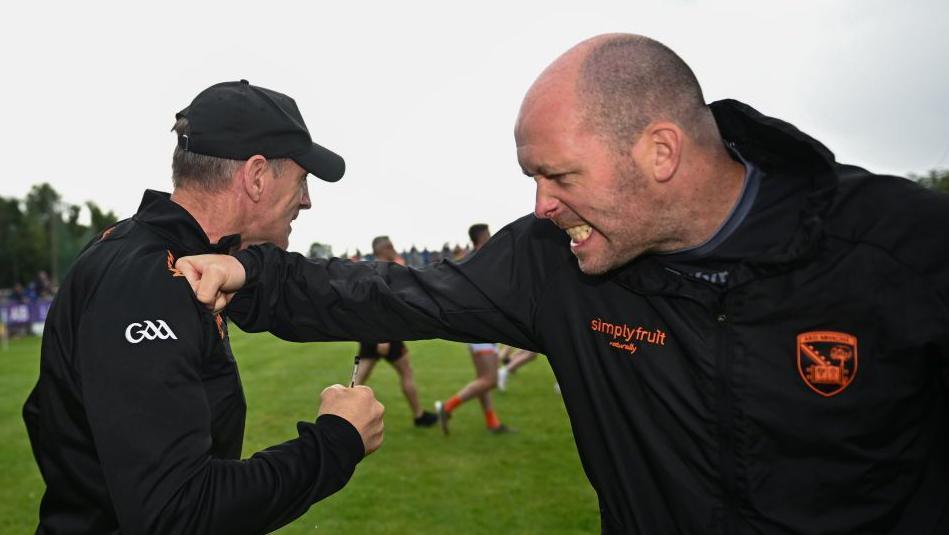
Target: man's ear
x,y
253,178
658,150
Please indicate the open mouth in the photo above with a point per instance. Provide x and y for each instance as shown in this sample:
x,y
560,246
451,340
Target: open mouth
x,y
578,234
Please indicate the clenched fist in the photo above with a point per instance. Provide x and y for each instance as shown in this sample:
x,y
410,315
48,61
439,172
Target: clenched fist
x,y
358,406
214,278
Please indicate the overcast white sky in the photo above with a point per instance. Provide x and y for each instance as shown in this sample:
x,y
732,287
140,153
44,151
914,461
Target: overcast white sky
x,y
421,97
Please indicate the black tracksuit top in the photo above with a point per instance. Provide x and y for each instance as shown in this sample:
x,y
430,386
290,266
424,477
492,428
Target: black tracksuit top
x,y
807,396
137,419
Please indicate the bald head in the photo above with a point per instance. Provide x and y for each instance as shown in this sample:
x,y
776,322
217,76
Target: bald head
x,y
626,82
620,83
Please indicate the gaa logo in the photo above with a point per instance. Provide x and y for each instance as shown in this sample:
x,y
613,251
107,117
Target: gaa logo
x,y
136,332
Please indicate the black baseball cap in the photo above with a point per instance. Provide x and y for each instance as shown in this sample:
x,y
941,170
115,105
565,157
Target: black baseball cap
x,y
236,120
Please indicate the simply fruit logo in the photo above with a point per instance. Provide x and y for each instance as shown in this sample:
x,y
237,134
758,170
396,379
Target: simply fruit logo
x,y
627,338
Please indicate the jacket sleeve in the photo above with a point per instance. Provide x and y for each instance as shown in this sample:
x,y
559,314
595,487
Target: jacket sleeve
x,y
151,423
490,296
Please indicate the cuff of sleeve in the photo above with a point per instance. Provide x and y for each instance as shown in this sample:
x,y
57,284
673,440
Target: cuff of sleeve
x,y
251,262
343,436
239,310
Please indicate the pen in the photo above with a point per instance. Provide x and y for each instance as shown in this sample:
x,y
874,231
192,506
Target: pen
x,y
352,383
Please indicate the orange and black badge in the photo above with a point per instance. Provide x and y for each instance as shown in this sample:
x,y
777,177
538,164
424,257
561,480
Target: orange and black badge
x,y
827,360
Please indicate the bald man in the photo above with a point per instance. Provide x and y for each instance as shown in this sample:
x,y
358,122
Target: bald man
x,y
750,337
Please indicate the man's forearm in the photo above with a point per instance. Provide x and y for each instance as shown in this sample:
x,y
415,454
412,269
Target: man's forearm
x,y
303,300
272,488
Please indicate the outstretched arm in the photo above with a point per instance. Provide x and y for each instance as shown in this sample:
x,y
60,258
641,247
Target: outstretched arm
x,y
491,296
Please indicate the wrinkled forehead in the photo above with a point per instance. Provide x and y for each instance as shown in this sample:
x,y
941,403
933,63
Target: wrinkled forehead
x,y
548,128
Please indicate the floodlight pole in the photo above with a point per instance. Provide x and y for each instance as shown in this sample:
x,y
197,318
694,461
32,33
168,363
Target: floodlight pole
x,y
4,335
54,243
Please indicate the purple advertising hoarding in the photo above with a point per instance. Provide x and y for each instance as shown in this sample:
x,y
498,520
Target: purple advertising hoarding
x,y
19,314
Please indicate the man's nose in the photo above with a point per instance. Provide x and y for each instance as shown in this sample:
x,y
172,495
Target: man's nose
x,y
305,203
545,204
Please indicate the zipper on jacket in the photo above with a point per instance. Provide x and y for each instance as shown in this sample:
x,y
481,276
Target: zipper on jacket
x,y
725,410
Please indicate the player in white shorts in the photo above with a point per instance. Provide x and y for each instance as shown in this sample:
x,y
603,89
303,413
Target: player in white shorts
x,y
485,359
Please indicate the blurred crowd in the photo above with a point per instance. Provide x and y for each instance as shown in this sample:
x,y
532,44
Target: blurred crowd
x,y
23,309
41,287
417,258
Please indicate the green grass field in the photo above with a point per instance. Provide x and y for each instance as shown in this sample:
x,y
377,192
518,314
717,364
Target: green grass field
x,y
418,482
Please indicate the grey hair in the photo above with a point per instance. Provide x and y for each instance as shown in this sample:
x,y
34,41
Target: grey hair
x,y
629,81
206,173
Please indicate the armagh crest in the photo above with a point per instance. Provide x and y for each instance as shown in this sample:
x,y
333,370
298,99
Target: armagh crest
x,y
827,360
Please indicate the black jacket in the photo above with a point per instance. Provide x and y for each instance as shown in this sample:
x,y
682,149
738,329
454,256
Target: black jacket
x,y
805,396
138,416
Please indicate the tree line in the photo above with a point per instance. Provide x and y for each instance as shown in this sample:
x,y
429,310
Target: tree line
x,y
937,179
43,233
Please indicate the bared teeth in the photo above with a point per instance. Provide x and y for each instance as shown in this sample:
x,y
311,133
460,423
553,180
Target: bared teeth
x,y
579,233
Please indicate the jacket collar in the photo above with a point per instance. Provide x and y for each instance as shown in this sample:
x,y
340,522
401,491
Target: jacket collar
x,y
779,147
170,220
769,142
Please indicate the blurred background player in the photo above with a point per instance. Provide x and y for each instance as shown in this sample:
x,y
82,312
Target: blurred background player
x,y
512,358
485,359
398,356
395,352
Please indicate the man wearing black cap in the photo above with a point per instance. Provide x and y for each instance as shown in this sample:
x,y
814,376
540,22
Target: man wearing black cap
x,y
137,419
